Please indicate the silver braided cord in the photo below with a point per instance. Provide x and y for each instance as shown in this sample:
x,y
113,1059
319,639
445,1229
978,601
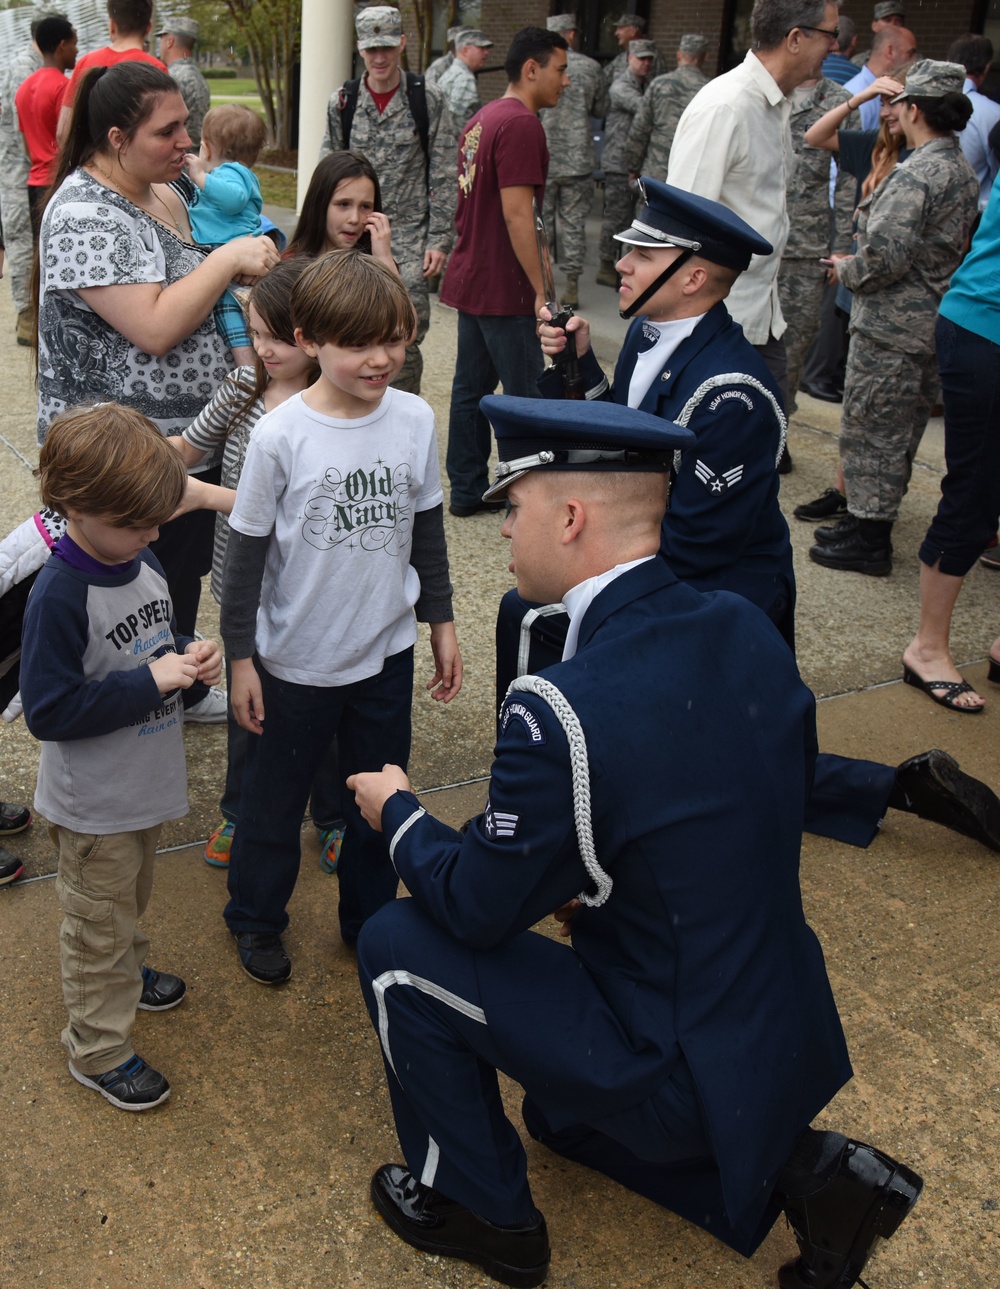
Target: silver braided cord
x,y
730,379
580,771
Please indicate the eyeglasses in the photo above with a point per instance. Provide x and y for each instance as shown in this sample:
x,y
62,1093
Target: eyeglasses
x,y
823,31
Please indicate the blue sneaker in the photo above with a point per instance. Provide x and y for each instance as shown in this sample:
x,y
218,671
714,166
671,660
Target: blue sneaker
x,y
133,1085
330,842
160,992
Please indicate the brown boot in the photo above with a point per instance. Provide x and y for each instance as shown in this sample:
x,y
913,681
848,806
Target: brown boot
x,y
606,275
570,298
26,328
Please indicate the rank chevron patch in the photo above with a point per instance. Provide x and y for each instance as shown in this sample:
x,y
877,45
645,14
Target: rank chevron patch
x,y
718,483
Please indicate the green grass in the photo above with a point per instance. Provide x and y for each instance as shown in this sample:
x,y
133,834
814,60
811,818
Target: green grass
x,y
277,189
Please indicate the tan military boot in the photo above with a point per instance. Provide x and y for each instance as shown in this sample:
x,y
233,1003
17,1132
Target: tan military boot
x,y
570,297
26,328
606,275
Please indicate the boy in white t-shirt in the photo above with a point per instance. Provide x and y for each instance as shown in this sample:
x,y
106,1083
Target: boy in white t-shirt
x,y
338,535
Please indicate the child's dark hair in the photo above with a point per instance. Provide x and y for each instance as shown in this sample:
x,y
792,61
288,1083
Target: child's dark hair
x,y
349,298
235,131
309,237
113,463
271,298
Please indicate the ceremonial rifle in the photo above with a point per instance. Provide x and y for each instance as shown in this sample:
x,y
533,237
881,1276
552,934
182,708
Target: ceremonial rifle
x,y
573,386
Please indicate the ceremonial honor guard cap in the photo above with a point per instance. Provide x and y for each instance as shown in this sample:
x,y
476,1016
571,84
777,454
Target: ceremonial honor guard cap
x,y
672,217
555,434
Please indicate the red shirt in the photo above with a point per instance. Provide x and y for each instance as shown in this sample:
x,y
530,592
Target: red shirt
x,y
503,146
38,101
106,57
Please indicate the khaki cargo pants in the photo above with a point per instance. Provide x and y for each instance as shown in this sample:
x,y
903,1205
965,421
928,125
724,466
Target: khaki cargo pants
x,y
103,884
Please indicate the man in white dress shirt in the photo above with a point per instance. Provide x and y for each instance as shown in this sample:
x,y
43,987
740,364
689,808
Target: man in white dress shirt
x,y
733,145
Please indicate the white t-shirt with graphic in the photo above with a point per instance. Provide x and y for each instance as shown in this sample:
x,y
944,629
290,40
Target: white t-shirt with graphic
x,y
337,498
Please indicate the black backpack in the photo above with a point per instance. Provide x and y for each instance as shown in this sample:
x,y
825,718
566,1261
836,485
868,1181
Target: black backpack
x,y
416,94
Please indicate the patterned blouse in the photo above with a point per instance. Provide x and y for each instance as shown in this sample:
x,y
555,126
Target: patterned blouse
x,y
92,236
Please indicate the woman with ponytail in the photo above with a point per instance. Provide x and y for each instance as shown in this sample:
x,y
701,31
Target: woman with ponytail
x,y
125,299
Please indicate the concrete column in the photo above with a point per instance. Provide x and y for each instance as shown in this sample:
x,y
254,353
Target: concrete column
x,y
327,51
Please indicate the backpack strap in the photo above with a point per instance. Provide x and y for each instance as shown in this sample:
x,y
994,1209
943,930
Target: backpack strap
x,y
347,102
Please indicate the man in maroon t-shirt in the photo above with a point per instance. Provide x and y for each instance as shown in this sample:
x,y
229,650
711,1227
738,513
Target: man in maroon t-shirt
x,y
494,277
38,101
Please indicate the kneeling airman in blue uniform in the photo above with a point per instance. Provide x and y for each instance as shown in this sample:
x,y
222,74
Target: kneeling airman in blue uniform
x,y
686,1038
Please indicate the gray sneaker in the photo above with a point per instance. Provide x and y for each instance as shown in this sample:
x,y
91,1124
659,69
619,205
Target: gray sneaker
x,y
133,1085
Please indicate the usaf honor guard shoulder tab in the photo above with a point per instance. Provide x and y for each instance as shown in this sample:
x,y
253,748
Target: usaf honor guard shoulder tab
x,y
516,709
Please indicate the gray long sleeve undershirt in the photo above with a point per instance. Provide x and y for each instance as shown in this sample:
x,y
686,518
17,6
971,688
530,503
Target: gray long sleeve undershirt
x,y
243,576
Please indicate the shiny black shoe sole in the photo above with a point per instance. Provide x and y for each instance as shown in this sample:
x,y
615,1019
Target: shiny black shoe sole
x,y
893,1199
941,792
516,1277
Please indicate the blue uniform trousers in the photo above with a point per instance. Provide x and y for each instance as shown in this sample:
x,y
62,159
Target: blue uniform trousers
x,y
432,1001
372,721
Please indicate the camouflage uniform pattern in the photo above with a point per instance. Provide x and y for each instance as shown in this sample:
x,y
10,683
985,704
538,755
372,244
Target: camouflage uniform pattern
x,y
14,167
911,232
437,68
195,93
419,203
647,148
569,189
461,91
618,66
801,278
619,199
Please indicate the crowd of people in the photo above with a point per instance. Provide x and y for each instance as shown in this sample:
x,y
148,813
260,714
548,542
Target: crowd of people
x,y
210,405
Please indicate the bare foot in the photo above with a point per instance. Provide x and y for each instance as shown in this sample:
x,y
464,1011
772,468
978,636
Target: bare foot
x,y
932,666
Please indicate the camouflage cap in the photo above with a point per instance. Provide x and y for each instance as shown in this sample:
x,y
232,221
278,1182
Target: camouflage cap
x,y
561,22
379,27
180,27
453,32
641,49
631,20
889,9
693,44
930,79
473,36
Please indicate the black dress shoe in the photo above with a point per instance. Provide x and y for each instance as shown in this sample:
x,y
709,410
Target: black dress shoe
x,y
826,393
431,1222
828,505
932,786
838,1227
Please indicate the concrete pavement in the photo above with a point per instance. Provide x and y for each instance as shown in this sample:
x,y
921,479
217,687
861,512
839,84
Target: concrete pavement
x,y
256,1172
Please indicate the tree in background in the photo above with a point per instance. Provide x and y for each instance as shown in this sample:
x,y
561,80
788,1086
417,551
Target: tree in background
x,y
423,13
271,31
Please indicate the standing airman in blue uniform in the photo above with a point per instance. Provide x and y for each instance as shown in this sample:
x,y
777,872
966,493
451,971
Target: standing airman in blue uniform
x,y
685,1040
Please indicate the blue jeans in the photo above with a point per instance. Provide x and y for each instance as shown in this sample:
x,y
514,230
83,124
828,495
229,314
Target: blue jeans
x,y
371,719
326,799
490,350
967,513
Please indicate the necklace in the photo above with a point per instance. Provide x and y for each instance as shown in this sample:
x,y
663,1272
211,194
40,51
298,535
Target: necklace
x,y
169,221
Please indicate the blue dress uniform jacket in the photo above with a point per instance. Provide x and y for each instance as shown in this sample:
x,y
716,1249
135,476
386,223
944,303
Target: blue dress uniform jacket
x,y
701,953
724,529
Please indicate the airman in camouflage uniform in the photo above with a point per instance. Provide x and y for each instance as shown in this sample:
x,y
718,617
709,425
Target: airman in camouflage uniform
x,y
802,278
418,194
176,50
887,13
647,148
629,27
619,196
911,233
458,83
14,166
569,189
437,68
